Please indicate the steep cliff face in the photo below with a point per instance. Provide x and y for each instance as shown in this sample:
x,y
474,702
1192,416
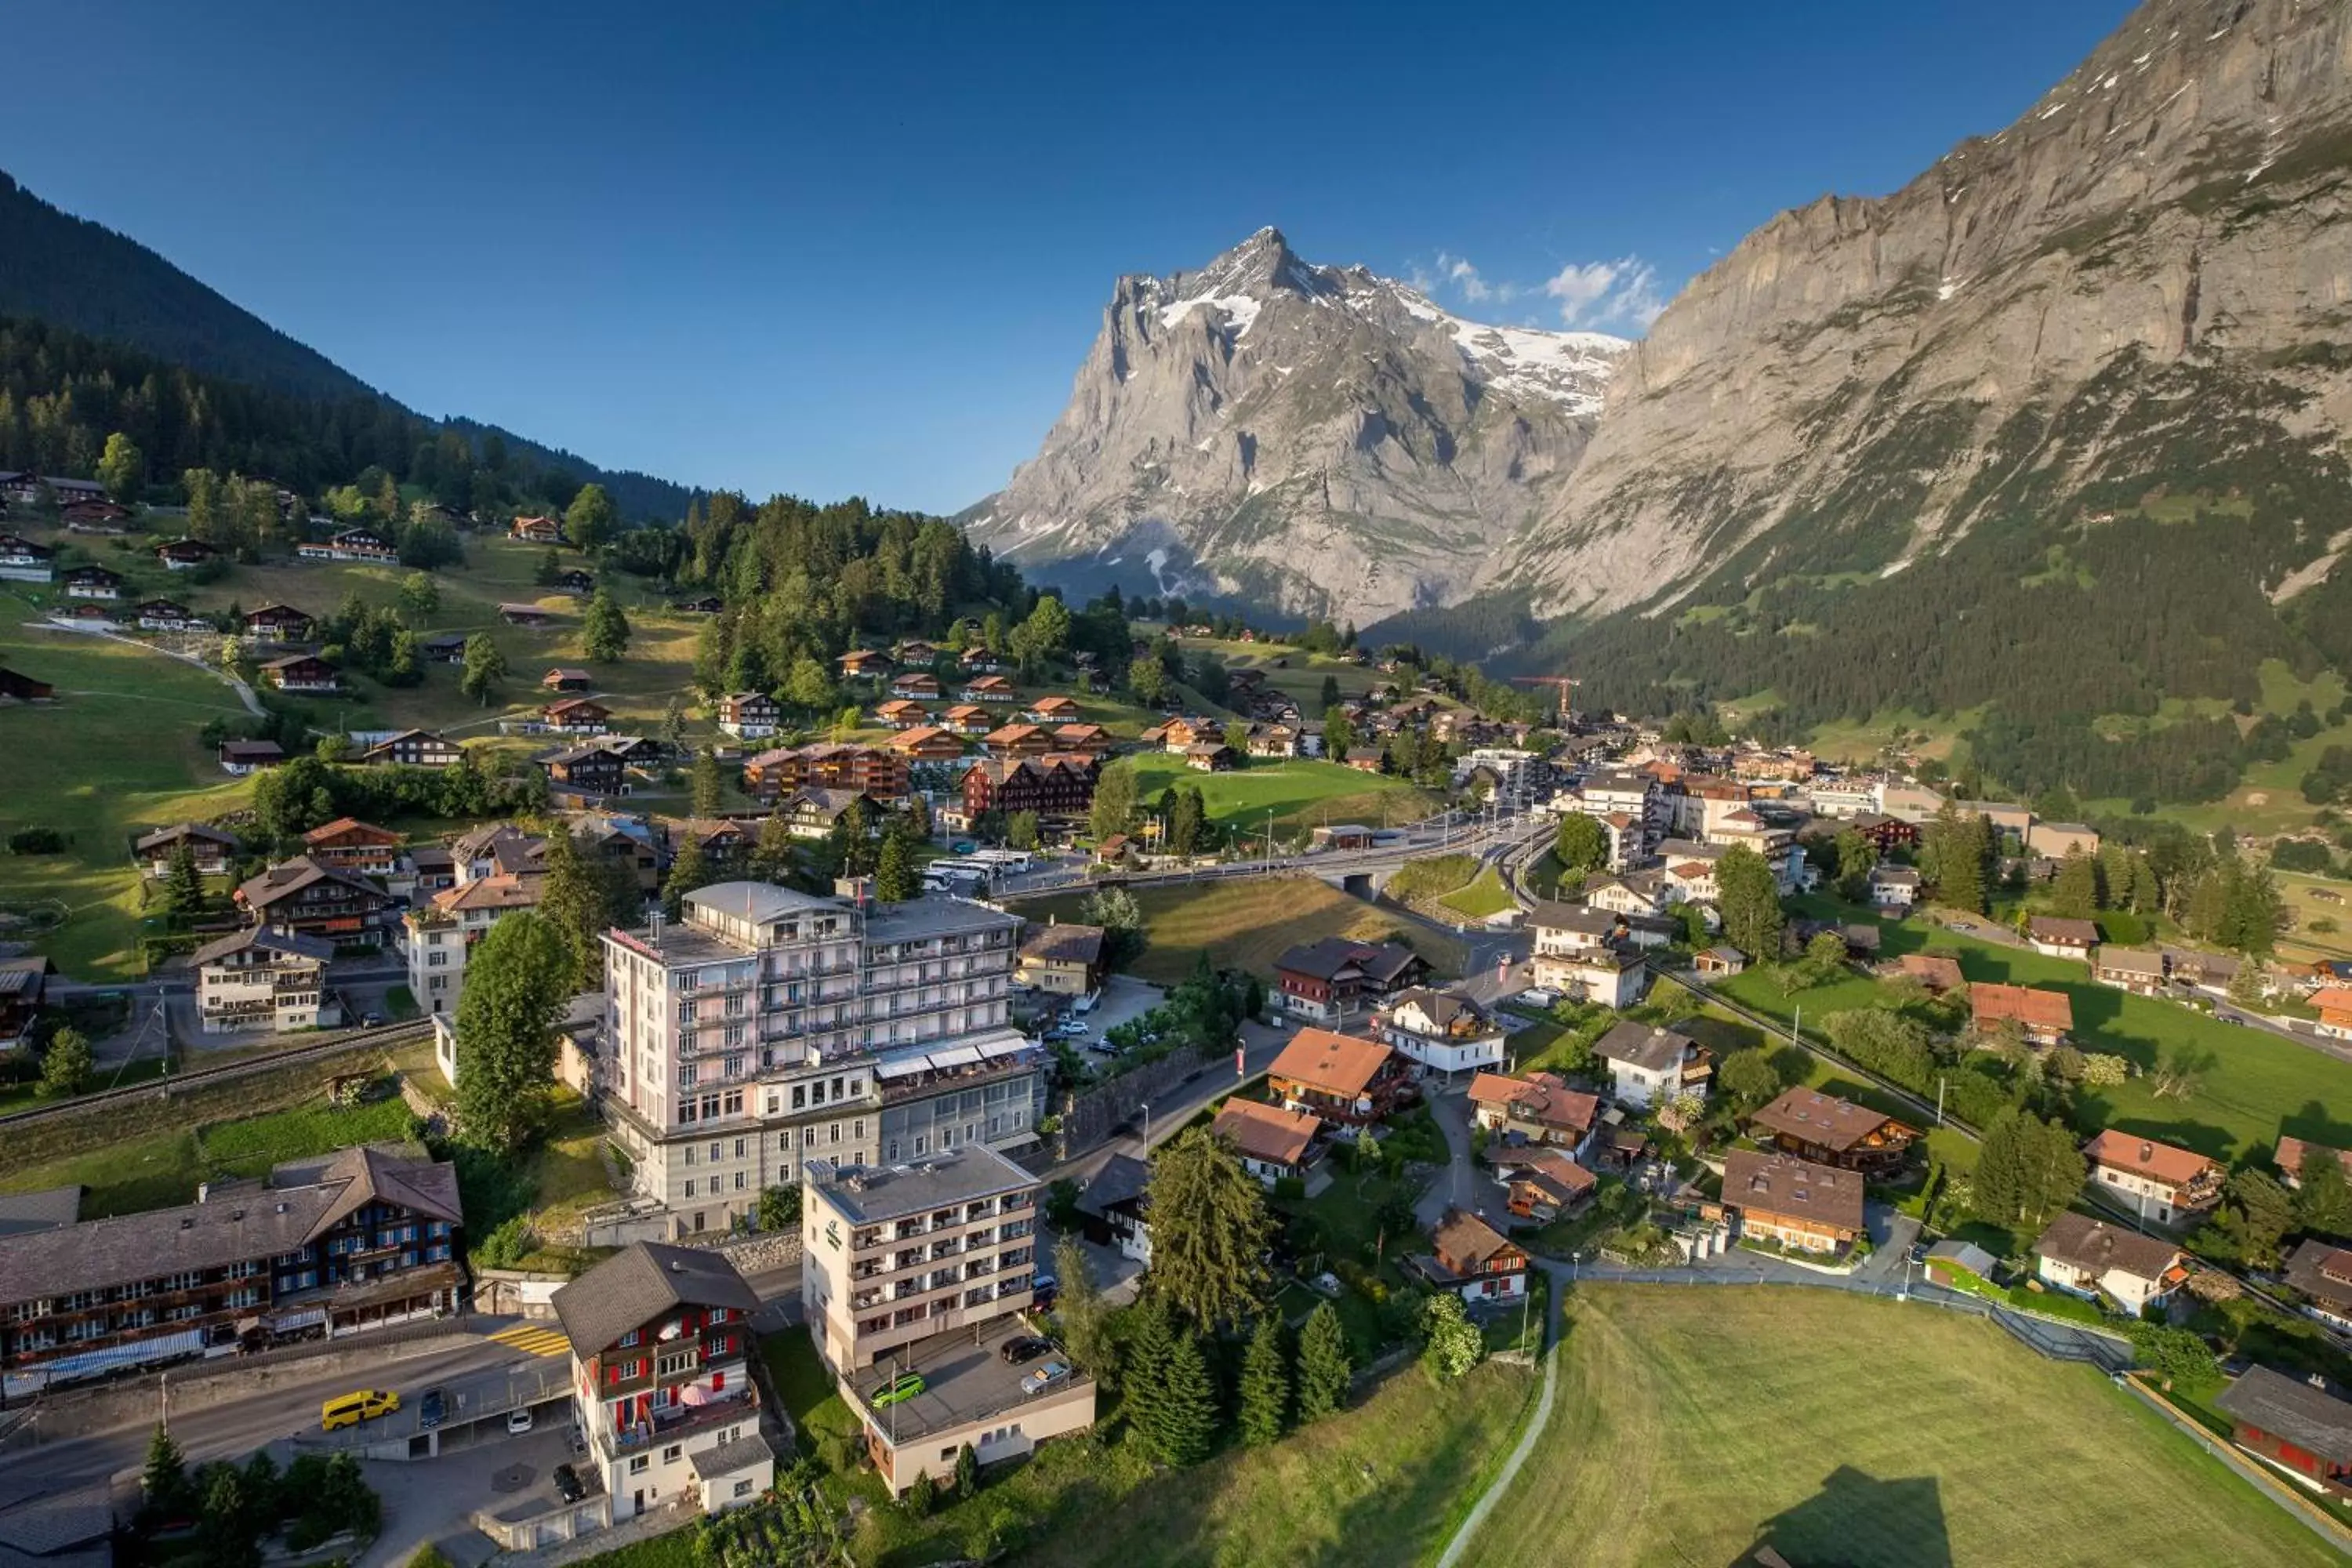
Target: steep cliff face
x,y
1314,438
1861,383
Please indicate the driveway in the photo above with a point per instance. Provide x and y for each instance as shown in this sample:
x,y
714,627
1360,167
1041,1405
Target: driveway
x,y
1463,1183
432,1501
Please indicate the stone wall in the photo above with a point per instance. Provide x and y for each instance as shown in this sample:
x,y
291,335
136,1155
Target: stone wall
x,y
1087,1118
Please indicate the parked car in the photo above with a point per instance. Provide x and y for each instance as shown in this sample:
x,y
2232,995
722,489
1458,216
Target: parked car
x,y
1024,1348
903,1387
567,1484
1044,1290
1046,1377
435,1409
518,1422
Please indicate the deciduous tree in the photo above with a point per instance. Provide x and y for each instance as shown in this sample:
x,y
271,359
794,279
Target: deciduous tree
x,y
592,520
483,669
1748,898
1581,843
122,467
605,630
517,982
1451,1342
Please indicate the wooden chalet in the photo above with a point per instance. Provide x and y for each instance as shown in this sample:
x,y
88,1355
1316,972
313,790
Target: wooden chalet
x,y
2296,1423
1792,1202
530,616
585,770
568,677
414,748
279,623
93,583
968,719
350,845
988,688
1018,741
916,686
213,849
1340,1077
927,743
1473,1259
301,672
577,716
185,554
751,715
1833,1131
902,713
536,529
2046,1018
301,895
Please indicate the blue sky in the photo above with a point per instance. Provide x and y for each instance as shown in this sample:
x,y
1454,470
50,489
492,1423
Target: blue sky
x,y
861,247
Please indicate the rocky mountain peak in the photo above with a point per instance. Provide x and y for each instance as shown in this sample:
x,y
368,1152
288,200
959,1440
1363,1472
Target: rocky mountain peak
x,y
1316,437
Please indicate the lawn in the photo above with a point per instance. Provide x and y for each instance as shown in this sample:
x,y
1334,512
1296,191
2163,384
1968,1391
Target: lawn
x,y
116,754
1381,1484
2256,1085
1694,1425
1301,791
1483,897
2269,798
163,1168
1247,924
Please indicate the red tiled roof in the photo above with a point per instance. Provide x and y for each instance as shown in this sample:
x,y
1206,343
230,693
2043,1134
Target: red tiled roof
x,y
1990,1002
1267,1132
1337,1064
2143,1156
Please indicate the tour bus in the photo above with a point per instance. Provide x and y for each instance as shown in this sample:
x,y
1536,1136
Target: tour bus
x,y
1007,861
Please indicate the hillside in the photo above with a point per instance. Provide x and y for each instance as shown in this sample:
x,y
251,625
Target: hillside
x,y
2057,426
1312,440
80,276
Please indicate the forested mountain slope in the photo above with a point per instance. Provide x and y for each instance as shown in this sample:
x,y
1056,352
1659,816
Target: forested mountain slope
x,y
71,273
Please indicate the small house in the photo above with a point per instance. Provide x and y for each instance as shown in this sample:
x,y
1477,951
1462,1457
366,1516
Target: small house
x,y
967,719
1473,1260
986,688
414,748
168,615
2055,937
1892,886
1063,959
279,623
529,615
1274,1142
1720,962
1055,710
1338,1077
1791,1203
577,716
1544,1185
2046,1018
536,529
860,663
567,678
1833,1131
915,686
1534,1108
2294,1423
2089,1257
2137,970
242,757
22,561
751,715
1113,1208
1935,973
1211,757
2156,1182
214,848
185,554
1440,1031
901,713
304,672
1650,1065
927,743
93,583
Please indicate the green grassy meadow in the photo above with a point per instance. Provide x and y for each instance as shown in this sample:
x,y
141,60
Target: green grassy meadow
x,y
1694,1425
2256,1087
1301,791
1246,924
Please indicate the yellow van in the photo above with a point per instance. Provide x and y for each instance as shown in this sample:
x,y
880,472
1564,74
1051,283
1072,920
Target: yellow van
x,y
351,1409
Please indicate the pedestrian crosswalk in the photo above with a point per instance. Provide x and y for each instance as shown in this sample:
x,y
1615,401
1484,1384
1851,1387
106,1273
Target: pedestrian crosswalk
x,y
534,1339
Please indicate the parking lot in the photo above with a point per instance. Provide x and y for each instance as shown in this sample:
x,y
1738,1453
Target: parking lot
x,y
1122,999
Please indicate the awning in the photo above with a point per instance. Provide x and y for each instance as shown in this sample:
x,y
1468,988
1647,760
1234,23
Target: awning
x,y
905,1068
93,1363
301,1318
956,1057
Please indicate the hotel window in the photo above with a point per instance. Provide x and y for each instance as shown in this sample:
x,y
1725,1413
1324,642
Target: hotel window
x,y
742,1181
689,1186
717,1152
743,1147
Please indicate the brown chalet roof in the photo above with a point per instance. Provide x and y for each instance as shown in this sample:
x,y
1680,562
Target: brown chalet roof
x,y
1541,1097
1267,1132
2292,1153
1461,1238
640,1283
302,1201
1789,1188
1990,1002
1337,1064
327,833
1063,944
2323,1271
2290,1407
2098,1247
288,878
1932,970
2145,1157
499,891
1824,1119
1552,1169
2056,928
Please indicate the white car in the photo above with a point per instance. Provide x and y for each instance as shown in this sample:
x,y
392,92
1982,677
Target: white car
x,y
518,1422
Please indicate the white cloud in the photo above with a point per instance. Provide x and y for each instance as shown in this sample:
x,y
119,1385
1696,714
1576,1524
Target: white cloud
x,y
1464,278
1593,294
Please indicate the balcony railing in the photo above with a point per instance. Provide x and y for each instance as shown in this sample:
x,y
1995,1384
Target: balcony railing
x,y
681,1419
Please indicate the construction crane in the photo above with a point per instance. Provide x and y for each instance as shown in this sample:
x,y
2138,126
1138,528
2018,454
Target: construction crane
x,y
1565,683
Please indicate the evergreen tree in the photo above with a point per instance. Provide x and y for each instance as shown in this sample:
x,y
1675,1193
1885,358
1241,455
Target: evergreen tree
x,y
605,631
1209,1230
1143,1374
2255,1216
1116,796
710,787
591,520
164,1482
690,868
772,858
1331,692
967,1472
895,880
1339,734
1325,1371
1186,821
574,900
1749,898
1265,1384
66,1063
184,885
517,982
2323,1199
2075,893
1183,1420
550,569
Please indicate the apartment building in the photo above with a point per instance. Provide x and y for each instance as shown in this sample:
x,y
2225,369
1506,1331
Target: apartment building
x,y
769,1027
912,1276
263,979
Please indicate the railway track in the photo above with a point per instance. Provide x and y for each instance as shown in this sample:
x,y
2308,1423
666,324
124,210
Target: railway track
x,y
166,1088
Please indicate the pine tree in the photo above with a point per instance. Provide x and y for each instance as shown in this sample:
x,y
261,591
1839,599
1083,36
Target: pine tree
x,y
574,900
967,1472
1209,1230
1749,898
605,631
1183,1422
2323,1202
709,788
1265,1384
1143,1375
184,885
165,1479
772,857
689,869
1324,1368
2075,893
895,880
